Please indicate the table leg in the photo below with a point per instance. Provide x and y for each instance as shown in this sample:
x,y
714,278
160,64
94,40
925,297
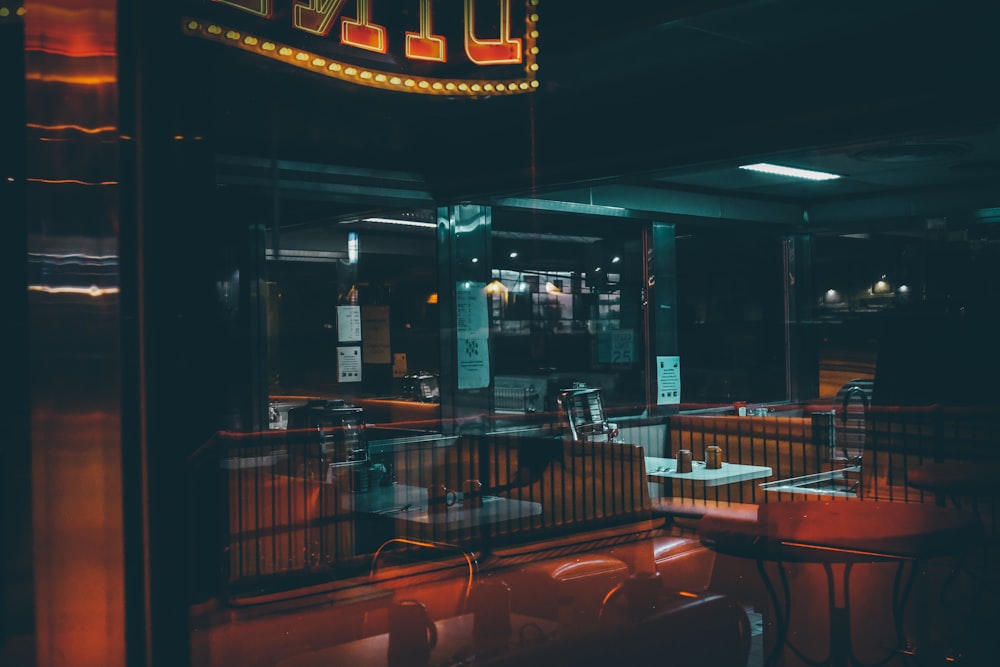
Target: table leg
x,y
782,611
841,651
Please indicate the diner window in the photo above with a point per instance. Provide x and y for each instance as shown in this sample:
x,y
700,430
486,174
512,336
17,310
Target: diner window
x,y
352,316
731,319
566,308
940,270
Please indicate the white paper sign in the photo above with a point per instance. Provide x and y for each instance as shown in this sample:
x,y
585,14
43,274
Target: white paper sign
x,y
668,380
473,333
471,312
348,323
349,364
473,362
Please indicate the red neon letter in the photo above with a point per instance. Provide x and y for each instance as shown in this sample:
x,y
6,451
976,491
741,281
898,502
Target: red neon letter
x,y
423,45
498,51
362,33
316,16
258,7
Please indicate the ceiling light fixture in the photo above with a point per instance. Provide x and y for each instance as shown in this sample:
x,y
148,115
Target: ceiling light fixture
x,y
400,221
793,172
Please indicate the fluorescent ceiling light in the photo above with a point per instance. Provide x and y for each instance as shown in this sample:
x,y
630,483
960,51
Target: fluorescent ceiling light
x,y
988,214
532,236
303,255
401,221
779,170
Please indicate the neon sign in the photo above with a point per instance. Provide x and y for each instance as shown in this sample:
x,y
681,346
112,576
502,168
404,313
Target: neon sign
x,y
438,47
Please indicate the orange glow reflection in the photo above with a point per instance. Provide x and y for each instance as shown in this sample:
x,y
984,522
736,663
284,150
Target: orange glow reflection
x,y
71,29
71,74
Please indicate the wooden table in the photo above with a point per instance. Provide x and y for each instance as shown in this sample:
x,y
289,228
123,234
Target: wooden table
x,y
840,532
455,644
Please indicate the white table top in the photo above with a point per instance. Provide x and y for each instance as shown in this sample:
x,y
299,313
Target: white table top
x,y
409,503
729,473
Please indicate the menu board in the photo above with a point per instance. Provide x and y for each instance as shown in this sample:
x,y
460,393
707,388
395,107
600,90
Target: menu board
x,y
348,324
473,333
471,312
668,380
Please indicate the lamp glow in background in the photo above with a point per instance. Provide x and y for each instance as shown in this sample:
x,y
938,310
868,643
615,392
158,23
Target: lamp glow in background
x,y
794,172
832,296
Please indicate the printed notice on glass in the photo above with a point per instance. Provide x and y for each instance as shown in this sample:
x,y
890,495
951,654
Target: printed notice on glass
x,y
349,364
473,362
348,323
471,312
668,380
615,347
472,329
375,322
399,365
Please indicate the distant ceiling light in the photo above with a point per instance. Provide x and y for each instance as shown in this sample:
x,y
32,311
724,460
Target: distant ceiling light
x,y
616,259
400,221
904,289
779,170
432,297
513,255
475,260
882,286
832,296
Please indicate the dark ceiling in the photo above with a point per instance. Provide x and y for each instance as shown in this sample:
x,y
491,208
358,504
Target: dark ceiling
x,y
647,109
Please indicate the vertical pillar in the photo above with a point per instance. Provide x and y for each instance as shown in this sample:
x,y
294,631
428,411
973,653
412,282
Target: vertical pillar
x,y
16,605
801,349
661,302
464,266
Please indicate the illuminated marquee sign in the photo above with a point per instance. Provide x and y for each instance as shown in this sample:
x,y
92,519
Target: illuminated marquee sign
x,y
436,47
